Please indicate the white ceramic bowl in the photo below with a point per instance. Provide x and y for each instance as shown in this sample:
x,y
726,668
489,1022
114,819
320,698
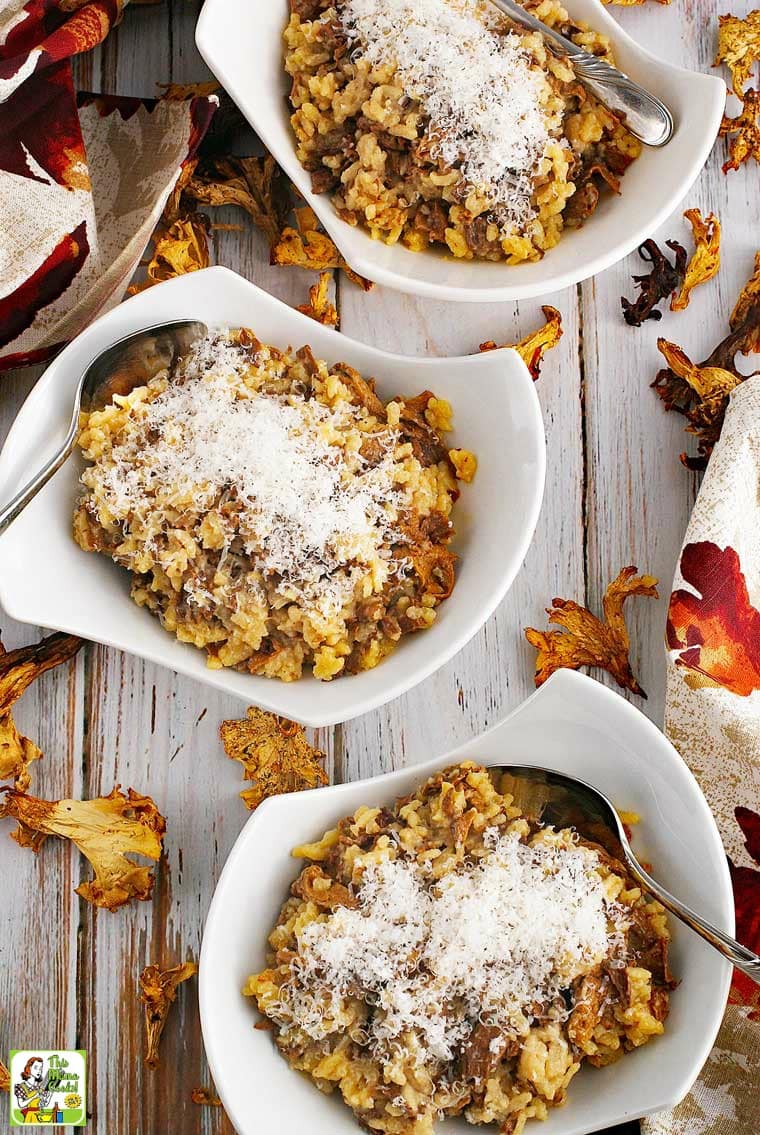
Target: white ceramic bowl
x,y
47,580
242,43
574,725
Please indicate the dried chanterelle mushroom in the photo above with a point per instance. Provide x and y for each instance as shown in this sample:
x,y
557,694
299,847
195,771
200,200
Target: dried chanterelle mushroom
x,y
207,1097
320,306
107,830
534,346
18,669
739,47
586,639
274,753
158,989
259,187
178,248
705,260
678,278
700,391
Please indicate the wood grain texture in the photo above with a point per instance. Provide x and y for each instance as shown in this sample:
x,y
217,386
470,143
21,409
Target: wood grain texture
x,y
616,494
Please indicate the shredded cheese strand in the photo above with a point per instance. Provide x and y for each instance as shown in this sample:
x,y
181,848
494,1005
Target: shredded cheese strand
x,y
303,514
494,943
475,82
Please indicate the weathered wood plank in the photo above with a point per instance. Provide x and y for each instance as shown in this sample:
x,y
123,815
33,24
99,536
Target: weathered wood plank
x,y
494,672
615,494
639,495
38,930
158,732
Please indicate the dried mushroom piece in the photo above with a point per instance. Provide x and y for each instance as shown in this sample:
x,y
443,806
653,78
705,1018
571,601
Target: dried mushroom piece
x,y
205,1097
274,753
534,346
314,250
107,830
320,306
744,320
158,991
177,249
5,1078
259,186
746,128
256,185
739,47
661,281
700,391
180,92
587,640
18,669
705,260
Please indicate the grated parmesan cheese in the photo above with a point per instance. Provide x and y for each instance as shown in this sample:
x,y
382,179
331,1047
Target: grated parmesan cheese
x,y
494,943
474,81
304,515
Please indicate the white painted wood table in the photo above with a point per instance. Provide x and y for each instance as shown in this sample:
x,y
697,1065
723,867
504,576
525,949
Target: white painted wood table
x,y
616,494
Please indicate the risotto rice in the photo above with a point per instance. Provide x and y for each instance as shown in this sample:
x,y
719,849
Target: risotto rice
x,y
382,121
272,510
451,955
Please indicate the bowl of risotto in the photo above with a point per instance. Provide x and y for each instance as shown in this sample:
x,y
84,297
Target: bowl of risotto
x,y
284,513
423,946
447,152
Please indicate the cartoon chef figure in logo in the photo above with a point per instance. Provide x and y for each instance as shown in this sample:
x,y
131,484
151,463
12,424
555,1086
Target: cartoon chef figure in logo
x,y
32,1092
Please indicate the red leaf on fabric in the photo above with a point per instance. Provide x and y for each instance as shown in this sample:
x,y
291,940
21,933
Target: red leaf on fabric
x,y
52,278
57,30
745,992
39,125
718,630
749,822
746,884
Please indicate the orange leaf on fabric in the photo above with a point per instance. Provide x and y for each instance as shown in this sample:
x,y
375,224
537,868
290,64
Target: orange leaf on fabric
x,y
587,640
158,991
705,260
743,132
319,306
18,669
107,830
714,626
274,753
739,47
534,346
177,250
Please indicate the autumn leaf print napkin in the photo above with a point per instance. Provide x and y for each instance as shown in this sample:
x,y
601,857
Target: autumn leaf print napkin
x,y
713,718
83,180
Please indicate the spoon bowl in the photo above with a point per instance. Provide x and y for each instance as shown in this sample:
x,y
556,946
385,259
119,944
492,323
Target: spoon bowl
x,y
128,363
563,801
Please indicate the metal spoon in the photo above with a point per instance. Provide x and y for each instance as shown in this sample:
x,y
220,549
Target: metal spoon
x,y
126,364
564,801
644,115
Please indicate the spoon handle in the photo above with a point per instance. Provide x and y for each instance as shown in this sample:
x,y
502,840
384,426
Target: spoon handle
x,y
647,118
740,956
22,498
